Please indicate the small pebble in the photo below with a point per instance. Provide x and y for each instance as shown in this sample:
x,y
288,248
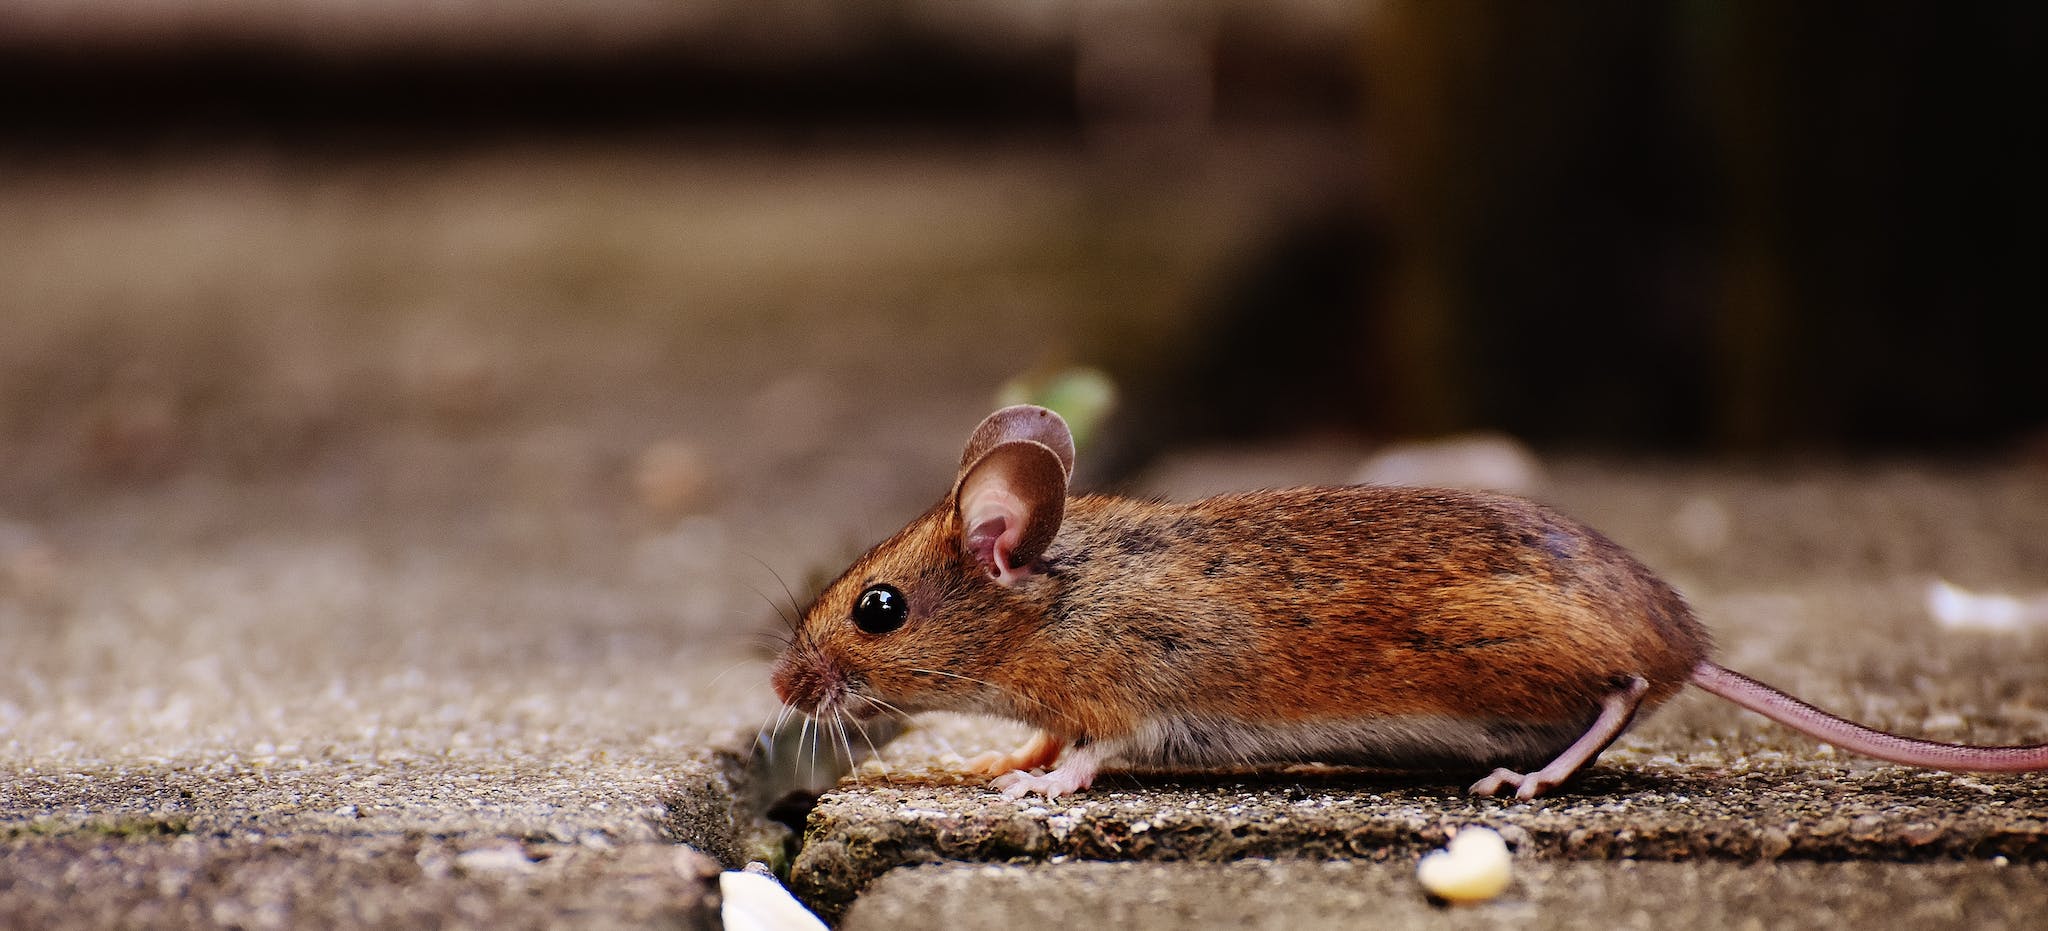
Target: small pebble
x,y
1473,867
1956,608
756,902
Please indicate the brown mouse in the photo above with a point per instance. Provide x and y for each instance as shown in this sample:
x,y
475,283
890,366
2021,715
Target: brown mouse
x,y
1410,628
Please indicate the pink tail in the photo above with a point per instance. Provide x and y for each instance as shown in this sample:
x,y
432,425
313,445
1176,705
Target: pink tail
x,y
1858,739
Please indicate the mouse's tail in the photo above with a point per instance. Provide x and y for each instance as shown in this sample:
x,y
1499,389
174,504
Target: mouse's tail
x,y
1855,738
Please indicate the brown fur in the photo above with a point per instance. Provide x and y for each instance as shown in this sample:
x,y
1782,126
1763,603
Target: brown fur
x,y
1419,628
1313,604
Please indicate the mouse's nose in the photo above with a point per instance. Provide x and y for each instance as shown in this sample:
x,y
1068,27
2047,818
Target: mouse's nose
x,y
799,684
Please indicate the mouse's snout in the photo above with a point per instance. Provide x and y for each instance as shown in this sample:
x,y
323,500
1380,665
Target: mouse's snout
x,y
791,685
804,681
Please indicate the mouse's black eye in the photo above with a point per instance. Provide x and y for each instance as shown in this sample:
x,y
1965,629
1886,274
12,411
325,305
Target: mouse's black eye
x,y
880,609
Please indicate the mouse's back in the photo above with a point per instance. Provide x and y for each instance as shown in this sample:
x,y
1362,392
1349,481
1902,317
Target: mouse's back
x,y
1326,603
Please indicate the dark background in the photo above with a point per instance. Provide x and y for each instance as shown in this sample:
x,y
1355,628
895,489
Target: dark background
x,y
1727,228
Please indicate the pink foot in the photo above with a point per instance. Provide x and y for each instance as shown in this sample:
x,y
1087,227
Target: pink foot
x,y
1076,775
1527,786
1052,785
1616,711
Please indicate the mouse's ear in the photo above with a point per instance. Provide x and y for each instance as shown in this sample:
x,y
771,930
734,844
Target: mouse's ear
x,y
1012,489
1021,422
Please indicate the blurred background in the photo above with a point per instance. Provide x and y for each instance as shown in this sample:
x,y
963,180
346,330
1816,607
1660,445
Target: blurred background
x,y
239,231
649,295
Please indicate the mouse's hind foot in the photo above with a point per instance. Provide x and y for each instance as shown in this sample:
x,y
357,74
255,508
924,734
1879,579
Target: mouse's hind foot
x,y
1526,785
1616,711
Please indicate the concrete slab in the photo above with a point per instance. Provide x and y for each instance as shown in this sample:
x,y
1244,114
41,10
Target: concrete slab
x,y
82,879
1736,811
287,684
686,798
1295,896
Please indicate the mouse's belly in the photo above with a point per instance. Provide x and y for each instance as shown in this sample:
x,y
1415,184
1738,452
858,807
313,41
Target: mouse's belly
x,y
1415,742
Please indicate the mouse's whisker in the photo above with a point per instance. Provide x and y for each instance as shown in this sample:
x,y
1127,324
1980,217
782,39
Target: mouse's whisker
x,y
828,729
730,668
770,734
807,736
872,747
955,675
787,620
1056,711
795,609
762,746
819,747
846,745
885,706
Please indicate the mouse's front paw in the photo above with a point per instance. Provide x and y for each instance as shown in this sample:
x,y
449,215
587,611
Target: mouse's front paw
x,y
992,763
1040,751
1052,785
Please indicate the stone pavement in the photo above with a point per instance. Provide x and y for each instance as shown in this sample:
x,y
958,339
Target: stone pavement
x,y
1635,809
304,729
211,720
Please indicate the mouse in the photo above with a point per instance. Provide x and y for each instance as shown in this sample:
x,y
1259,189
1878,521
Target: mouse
x,y
1416,629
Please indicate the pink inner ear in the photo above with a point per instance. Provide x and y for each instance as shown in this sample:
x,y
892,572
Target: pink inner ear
x,y
987,543
995,521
